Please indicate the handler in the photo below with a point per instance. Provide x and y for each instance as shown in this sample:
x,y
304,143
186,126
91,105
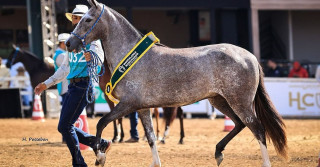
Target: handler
x,y
74,67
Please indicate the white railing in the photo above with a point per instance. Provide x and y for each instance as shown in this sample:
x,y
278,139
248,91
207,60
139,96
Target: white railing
x,y
15,80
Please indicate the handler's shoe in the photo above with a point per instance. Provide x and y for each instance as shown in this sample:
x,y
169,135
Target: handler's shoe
x,y
132,140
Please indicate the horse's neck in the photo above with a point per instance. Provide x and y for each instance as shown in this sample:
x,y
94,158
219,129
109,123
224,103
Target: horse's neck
x,y
121,37
30,64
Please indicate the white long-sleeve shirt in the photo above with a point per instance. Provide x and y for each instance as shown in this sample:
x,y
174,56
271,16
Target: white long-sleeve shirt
x,y
64,69
58,61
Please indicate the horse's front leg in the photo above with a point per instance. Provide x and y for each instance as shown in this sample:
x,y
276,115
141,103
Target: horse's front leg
x,y
119,111
146,120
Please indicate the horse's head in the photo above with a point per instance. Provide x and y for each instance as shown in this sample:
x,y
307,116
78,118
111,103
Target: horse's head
x,y
27,58
88,28
13,57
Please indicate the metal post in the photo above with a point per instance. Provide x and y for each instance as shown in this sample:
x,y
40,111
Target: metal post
x,y
29,25
49,27
255,33
34,27
291,55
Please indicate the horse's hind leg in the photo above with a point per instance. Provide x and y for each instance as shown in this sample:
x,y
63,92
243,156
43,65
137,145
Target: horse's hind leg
x,y
121,129
259,132
180,116
221,104
116,137
247,116
156,114
146,120
118,133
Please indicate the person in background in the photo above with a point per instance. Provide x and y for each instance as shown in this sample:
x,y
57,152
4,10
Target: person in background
x,y
23,83
58,59
318,73
273,69
298,71
4,73
133,128
15,84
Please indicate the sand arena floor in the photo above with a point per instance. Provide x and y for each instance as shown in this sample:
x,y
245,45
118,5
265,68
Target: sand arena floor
x,y
201,137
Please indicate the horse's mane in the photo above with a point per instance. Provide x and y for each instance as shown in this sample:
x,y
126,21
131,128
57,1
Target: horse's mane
x,y
30,54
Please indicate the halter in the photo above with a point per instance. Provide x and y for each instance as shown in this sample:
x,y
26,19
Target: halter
x,y
14,56
85,35
93,63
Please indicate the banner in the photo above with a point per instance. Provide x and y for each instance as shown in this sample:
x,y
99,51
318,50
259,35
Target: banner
x,y
295,97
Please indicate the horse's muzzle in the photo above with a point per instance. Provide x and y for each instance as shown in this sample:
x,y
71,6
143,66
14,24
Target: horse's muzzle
x,y
73,43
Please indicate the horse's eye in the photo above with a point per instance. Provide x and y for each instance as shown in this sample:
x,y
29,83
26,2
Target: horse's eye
x,y
88,20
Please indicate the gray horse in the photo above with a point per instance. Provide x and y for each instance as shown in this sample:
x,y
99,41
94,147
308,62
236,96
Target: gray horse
x,y
228,76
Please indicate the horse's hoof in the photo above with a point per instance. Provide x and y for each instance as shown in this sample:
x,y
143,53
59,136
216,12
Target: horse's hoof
x,y
181,142
219,159
97,163
101,158
163,141
155,165
116,139
266,164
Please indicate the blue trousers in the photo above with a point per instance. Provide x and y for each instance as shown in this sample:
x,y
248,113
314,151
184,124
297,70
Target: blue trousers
x,y
133,125
73,104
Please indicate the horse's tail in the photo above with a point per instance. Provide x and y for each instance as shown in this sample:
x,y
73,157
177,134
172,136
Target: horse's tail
x,y
169,114
270,119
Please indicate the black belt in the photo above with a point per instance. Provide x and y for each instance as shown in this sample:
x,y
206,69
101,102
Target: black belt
x,y
74,80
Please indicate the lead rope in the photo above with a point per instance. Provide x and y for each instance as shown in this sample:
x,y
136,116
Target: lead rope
x,y
93,74
93,64
14,56
92,71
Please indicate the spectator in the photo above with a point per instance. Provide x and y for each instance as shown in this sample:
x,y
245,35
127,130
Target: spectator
x,y
318,73
273,69
133,128
4,73
297,71
23,85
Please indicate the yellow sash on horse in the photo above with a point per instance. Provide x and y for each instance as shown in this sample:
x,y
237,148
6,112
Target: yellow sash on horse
x,y
128,62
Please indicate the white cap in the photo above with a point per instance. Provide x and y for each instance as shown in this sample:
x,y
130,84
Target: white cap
x,y
80,10
63,37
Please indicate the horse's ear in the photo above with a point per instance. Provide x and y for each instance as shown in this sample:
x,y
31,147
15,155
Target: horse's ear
x,y
14,46
93,3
